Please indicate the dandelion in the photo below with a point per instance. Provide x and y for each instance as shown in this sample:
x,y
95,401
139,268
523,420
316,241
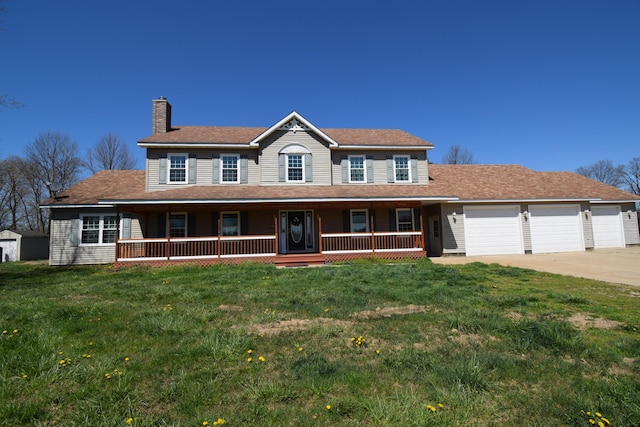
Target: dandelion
x,y
326,310
377,351
219,422
300,348
440,405
205,423
107,376
261,359
126,359
249,351
328,407
86,355
249,359
24,376
129,420
431,408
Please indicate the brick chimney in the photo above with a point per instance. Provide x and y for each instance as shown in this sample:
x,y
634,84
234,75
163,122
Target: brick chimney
x,y
161,115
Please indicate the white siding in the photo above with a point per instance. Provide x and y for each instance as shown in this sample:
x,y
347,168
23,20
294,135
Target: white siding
x,y
62,253
630,224
379,164
204,166
452,229
270,149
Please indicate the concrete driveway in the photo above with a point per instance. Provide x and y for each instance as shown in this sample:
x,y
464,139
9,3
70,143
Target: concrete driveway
x,y
616,265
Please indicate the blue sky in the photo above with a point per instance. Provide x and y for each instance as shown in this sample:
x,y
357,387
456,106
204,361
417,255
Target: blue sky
x,y
551,85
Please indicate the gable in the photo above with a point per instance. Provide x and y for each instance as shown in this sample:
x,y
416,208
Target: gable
x,y
294,123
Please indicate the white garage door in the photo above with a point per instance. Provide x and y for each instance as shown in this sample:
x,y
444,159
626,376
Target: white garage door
x,y
555,228
492,230
607,227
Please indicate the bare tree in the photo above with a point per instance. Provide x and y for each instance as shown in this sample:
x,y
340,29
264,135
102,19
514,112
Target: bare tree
x,y
109,153
14,195
457,155
604,171
52,164
632,175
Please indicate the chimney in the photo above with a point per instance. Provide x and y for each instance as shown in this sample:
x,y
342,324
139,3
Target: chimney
x,y
161,115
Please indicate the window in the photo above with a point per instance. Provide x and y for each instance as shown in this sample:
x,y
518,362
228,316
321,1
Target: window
x,y
98,229
178,168
295,167
357,169
229,170
401,169
230,223
404,219
178,225
359,221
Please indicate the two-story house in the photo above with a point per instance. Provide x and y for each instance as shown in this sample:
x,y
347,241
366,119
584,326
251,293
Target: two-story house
x,y
294,193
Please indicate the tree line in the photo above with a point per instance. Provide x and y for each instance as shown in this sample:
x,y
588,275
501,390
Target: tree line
x,y
625,176
50,164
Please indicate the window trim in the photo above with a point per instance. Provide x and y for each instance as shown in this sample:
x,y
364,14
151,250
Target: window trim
x,y
364,168
410,210
366,216
100,228
222,169
239,218
302,167
186,168
395,174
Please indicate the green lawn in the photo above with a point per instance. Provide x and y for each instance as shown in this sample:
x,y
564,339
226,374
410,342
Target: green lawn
x,y
365,344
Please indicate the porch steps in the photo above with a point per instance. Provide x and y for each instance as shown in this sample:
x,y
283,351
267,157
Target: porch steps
x,y
299,260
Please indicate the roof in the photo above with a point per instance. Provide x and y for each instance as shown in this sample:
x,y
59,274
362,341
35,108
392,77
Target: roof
x,y
448,183
244,135
515,182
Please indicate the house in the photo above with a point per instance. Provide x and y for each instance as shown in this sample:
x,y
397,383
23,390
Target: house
x,y
294,193
23,245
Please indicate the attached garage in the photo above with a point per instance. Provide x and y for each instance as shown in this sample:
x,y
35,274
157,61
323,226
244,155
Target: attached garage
x,y
607,227
555,228
492,230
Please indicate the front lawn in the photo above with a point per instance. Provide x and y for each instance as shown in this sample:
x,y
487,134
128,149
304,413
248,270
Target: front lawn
x,y
365,344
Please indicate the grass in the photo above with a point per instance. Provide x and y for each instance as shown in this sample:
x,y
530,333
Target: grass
x,y
364,344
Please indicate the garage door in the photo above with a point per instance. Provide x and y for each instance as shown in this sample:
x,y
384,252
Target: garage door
x,y
607,227
555,228
492,230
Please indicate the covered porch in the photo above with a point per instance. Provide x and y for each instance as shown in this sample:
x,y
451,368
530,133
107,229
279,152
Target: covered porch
x,y
282,235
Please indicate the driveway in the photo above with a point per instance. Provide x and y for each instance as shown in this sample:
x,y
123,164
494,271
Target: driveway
x,y
615,265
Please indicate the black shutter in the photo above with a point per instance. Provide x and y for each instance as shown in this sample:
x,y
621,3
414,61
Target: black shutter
x,y
214,223
191,224
244,223
392,220
346,220
162,224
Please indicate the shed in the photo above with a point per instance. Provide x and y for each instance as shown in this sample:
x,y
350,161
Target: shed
x,y
23,245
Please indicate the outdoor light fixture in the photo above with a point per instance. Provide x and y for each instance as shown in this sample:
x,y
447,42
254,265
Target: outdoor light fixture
x,y
586,214
454,216
525,214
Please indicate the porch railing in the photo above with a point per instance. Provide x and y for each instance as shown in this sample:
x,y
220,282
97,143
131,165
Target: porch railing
x,y
195,248
335,243
183,248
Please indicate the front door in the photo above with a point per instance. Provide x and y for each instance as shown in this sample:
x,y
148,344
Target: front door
x,y
434,236
296,232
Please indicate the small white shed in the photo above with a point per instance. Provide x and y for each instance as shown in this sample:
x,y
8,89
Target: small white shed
x,y
23,245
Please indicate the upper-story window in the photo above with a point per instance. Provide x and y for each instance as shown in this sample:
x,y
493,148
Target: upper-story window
x,y
295,169
230,168
357,169
401,169
295,164
178,168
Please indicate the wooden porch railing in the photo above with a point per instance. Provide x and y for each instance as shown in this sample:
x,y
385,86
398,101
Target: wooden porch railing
x,y
195,248
335,243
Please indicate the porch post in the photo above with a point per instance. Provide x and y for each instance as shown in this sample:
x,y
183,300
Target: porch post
x,y
275,228
219,234
373,237
168,233
117,232
422,233
319,233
